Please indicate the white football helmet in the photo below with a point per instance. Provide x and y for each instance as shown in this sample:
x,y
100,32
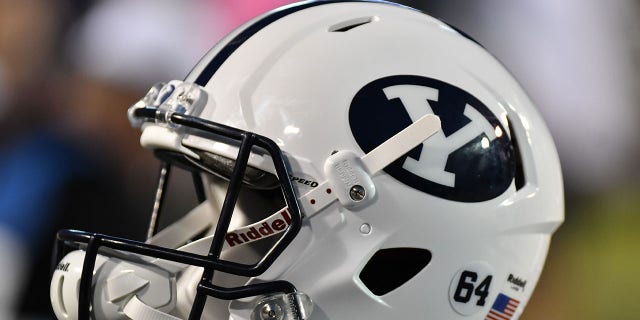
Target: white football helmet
x,y
354,160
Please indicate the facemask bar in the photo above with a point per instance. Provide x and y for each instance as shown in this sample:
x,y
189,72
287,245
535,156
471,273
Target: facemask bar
x,y
210,262
163,180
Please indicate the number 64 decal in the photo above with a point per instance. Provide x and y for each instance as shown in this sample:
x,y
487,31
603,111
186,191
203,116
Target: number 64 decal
x,y
470,288
466,289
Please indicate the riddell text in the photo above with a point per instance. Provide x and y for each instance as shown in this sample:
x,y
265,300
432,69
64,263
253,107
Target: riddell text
x,y
266,229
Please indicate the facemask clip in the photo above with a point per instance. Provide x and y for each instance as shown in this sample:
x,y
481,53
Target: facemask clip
x,y
349,179
175,97
293,306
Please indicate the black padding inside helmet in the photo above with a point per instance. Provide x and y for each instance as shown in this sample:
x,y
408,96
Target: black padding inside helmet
x,y
390,268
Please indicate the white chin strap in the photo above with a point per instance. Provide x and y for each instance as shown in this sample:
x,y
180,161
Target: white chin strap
x,y
136,309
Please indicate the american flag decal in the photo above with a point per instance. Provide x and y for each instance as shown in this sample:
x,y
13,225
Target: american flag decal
x,y
503,308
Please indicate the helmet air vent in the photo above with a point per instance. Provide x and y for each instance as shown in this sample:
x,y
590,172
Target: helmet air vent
x,y
63,307
519,177
352,23
389,269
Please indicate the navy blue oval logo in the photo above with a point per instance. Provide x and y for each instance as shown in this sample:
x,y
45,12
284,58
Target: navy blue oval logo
x,y
470,160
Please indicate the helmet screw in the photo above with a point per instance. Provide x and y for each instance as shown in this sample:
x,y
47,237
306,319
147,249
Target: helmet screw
x,y
271,311
365,228
357,192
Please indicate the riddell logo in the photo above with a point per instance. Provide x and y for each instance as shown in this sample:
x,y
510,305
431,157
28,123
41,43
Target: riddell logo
x,y
268,228
517,281
63,266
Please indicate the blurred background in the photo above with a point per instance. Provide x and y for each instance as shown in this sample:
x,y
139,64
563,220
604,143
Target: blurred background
x,y
69,69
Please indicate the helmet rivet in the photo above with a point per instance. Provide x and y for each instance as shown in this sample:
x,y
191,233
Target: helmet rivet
x,y
271,311
357,192
365,228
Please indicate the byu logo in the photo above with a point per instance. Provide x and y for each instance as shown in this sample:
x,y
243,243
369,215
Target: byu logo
x,y
431,166
470,160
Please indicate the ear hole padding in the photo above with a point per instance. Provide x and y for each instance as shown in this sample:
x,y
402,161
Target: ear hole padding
x,y
388,269
350,24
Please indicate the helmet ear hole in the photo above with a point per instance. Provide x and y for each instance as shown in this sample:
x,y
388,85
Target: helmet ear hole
x,y
388,269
